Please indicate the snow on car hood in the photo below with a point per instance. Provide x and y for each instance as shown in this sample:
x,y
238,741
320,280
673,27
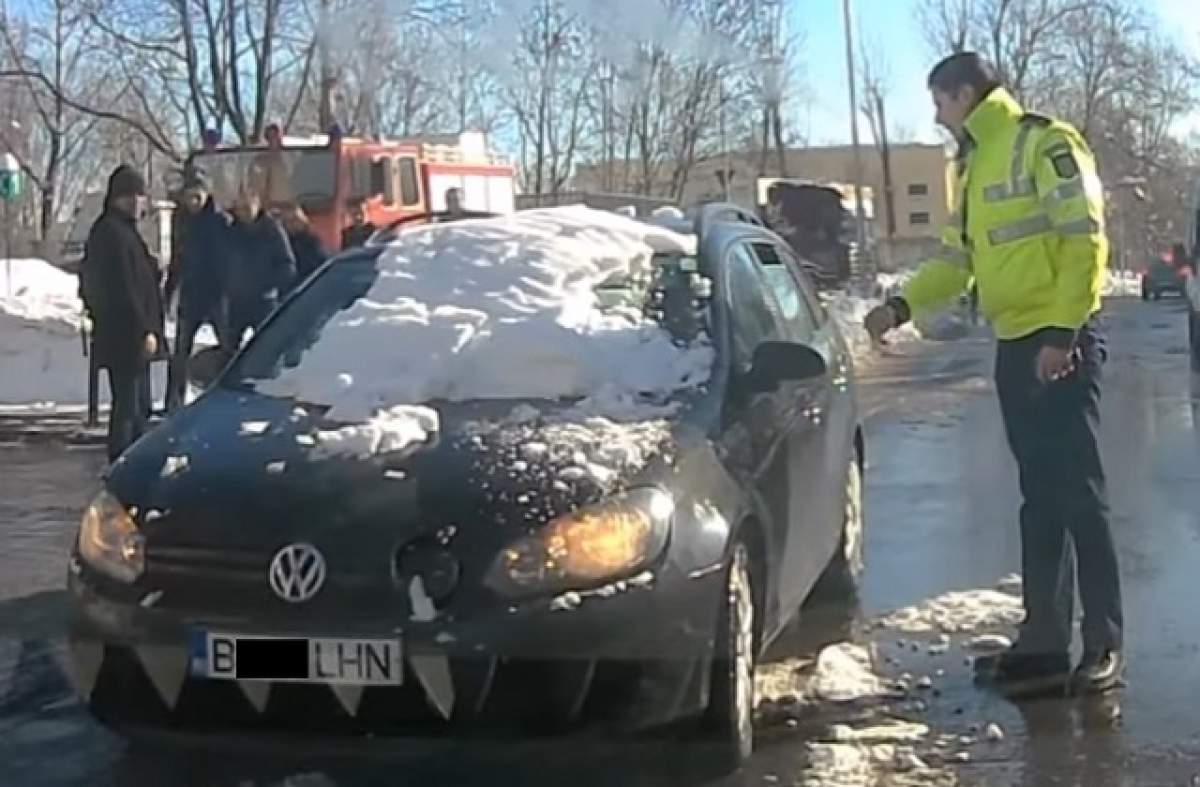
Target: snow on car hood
x,y
495,309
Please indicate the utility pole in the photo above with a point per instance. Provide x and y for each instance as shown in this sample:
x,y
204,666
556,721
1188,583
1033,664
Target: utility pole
x,y
861,221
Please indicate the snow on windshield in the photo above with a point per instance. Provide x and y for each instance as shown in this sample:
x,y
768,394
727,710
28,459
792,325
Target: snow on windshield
x,y
498,308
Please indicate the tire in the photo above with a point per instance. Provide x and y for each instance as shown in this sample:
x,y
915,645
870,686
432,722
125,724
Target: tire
x,y
844,572
1194,339
728,727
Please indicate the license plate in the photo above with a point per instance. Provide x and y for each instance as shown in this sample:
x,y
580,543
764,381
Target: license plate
x,y
370,662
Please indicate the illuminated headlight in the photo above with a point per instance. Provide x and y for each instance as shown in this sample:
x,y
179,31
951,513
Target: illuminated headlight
x,y
109,540
590,547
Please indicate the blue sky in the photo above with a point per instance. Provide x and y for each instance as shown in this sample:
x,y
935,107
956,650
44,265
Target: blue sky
x,y
890,28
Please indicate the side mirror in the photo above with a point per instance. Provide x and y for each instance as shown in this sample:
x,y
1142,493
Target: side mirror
x,y
779,362
205,365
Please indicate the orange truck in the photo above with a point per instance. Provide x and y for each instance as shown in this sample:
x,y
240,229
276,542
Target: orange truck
x,y
326,174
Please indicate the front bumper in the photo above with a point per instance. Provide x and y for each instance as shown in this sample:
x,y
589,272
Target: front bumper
x,y
631,656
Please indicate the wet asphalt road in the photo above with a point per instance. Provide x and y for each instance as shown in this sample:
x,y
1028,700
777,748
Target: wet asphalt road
x,y
941,516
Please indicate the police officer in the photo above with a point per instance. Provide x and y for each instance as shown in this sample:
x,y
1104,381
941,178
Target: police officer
x,y
1029,229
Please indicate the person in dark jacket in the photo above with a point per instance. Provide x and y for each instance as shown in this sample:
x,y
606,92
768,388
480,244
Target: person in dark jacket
x,y
120,286
198,275
306,246
262,267
360,230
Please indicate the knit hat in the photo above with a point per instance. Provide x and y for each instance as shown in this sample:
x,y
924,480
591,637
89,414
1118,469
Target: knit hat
x,y
125,182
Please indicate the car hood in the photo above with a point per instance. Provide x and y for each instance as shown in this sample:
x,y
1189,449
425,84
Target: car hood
x,y
248,469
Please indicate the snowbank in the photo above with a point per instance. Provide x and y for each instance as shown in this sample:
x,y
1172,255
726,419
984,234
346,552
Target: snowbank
x,y
500,309
1122,284
41,355
959,612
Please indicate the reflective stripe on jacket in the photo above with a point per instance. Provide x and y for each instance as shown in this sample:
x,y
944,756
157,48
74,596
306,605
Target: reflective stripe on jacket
x,y
1028,225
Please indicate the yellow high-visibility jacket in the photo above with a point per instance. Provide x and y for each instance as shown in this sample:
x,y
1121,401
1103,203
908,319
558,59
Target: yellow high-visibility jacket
x,y
1028,225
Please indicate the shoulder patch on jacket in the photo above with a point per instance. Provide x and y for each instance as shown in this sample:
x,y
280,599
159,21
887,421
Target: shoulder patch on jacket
x,y
1034,119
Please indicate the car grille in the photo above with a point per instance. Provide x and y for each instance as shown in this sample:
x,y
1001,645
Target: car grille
x,y
211,582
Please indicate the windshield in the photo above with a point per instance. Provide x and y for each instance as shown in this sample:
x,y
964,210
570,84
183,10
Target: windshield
x,y
413,325
304,176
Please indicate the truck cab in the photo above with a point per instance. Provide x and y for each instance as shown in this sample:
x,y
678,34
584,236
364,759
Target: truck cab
x,y
394,179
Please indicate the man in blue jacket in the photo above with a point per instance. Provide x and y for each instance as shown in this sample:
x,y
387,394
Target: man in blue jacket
x,y
262,266
198,272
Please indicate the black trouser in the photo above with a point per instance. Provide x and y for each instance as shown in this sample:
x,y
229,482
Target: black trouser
x,y
127,419
1053,432
185,339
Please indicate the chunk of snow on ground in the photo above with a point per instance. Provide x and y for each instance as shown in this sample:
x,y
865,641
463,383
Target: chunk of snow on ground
x,y
1010,583
843,674
502,308
1122,284
988,643
387,431
959,612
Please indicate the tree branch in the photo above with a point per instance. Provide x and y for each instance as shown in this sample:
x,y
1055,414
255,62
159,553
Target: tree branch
x,y
160,145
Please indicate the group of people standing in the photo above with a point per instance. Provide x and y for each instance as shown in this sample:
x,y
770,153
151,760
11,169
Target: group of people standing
x,y
230,266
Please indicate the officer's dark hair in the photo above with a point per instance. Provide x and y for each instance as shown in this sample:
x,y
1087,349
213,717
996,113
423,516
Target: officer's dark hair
x,y
964,69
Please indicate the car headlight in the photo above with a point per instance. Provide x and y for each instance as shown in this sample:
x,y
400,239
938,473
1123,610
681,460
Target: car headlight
x,y
589,547
109,539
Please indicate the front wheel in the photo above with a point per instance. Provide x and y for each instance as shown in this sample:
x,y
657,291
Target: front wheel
x,y
729,719
846,567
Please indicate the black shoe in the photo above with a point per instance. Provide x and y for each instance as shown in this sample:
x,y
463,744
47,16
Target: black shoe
x,y
1019,673
1098,671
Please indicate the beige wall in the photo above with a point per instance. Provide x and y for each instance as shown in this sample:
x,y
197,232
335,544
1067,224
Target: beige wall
x,y
912,165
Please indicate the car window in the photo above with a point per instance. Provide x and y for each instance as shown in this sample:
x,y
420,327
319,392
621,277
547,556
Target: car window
x,y
794,308
756,317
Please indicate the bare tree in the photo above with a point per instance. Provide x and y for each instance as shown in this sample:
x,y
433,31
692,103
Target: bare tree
x,y
876,86
947,24
548,99
53,55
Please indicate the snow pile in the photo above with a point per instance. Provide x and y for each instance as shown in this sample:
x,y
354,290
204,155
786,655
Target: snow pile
x,y
843,674
1122,284
598,440
958,612
40,293
40,351
387,431
500,308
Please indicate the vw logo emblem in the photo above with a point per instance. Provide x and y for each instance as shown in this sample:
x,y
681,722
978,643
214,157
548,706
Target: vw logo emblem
x,y
297,573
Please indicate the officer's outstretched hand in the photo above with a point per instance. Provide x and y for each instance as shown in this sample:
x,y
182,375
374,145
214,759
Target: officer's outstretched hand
x,y
879,321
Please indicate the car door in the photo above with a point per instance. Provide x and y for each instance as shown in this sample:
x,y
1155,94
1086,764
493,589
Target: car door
x,y
838,405
767,431
815,502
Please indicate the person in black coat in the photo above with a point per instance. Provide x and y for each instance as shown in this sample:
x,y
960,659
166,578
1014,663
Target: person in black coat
x,y
262,267
306,246
198,273
120,287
